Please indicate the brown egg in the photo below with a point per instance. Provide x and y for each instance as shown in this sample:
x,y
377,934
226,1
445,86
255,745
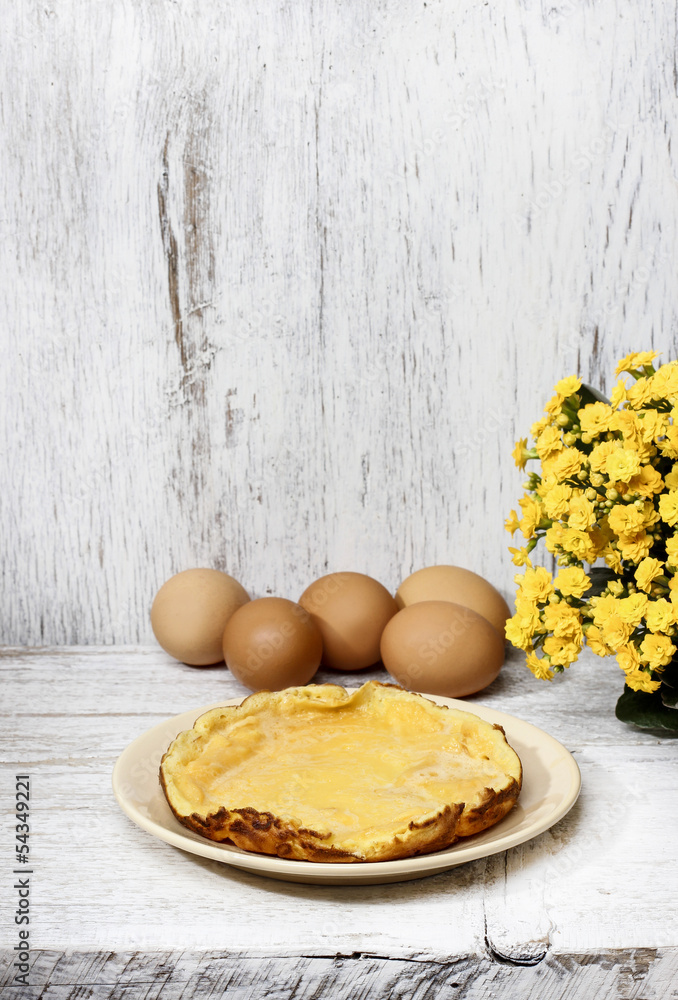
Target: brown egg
x,y
461,586
437,647
351,610
190,612
272,643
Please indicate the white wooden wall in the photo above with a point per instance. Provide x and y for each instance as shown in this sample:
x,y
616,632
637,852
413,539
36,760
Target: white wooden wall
x,y
281,282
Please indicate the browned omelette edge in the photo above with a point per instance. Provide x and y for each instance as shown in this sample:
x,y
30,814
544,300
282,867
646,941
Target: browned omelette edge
x,y
265,833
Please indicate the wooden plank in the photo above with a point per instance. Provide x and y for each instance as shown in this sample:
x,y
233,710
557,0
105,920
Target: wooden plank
x,y
650,974
577,708
558,891
282,284
102,882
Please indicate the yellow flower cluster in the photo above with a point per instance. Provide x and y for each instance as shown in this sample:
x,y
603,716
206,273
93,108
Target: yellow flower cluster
x,y
607,491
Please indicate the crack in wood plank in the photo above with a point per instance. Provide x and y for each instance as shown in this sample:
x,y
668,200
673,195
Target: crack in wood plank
x,y
644,973
169,242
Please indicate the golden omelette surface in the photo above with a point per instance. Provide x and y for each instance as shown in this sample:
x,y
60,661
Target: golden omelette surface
x,y
324,774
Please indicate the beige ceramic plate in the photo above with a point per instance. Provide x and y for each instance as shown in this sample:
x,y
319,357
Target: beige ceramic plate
x,y
551,783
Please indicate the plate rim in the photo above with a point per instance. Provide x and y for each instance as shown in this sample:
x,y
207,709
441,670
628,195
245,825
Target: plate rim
x,y
271,865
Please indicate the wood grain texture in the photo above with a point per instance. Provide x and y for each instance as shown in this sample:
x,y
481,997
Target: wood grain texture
x,y
644,974
102,885
282,283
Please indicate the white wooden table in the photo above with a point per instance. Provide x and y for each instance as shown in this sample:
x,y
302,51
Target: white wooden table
x,y
587,908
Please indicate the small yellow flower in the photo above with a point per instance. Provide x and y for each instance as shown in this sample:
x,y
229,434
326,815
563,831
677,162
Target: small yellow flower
x,y
634,546
651,424
648,481
613,558
512,523
536,584
666,379
618,395
661,615
520,453
622,464
596,418
631,429
625,519
595,642
672,479
519,557
582,513
628,658
668,445
600,535
626,422
668,507
527,612
600,454
641,393
567,464
572,581
554,536
579,544
561,652
640,680
556,501
568,386
563,621
517,635
637,359
672,550
656,650
554,405
632,609
604,608
648,570
650,514
548,476
548,441
615,631
532,514
521,628
539,667
539,425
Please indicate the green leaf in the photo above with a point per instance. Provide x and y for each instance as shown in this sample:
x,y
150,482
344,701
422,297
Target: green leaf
x,y
600,576
588,394
647,711
669,695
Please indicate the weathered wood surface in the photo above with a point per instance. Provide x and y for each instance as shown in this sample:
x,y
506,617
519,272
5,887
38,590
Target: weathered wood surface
x,y
644,974
282,283
588,907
